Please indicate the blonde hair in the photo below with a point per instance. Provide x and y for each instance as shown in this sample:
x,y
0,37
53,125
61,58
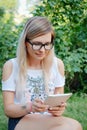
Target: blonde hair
x,y
35,27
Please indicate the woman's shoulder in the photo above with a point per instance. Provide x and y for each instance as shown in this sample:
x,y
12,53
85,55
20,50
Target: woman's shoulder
x,y
60,65
7,68
9,63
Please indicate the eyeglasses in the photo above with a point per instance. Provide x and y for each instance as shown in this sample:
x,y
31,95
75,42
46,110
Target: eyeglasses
x,y
39,45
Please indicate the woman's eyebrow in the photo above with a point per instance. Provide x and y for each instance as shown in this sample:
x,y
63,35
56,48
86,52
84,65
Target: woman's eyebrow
x,y
40,42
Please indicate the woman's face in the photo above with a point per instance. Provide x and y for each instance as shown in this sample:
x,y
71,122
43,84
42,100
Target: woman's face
x,y
39,47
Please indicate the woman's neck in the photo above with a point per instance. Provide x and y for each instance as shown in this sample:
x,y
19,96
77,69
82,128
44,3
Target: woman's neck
x,y
34,64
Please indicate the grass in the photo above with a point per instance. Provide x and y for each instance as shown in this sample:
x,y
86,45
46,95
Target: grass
x,y
76,108
3,118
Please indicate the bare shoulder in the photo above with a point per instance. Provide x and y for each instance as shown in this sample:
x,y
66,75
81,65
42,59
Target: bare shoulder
x,y
7,70
60,66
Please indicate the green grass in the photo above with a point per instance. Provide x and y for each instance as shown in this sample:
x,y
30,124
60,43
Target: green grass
x,y
76,108
3,118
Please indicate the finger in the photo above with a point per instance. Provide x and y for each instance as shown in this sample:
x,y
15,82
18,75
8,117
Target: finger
x,y
40,106
63,104
58,113
39,101
38,109
55,109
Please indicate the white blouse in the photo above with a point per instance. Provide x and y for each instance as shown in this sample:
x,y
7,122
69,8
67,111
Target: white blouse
x,y
35,87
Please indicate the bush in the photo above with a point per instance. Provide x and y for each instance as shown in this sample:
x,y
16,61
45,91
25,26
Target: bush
x,y
9,35
69,18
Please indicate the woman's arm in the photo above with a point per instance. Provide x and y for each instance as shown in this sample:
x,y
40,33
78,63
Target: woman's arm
x,y
11,109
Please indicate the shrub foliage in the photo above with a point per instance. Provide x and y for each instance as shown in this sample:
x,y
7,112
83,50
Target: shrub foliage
x,y
9,34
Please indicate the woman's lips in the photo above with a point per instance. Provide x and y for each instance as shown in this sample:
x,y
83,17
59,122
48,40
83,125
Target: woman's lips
x,y
39,54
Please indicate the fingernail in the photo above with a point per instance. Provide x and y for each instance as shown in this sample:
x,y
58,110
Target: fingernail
x,y
50,108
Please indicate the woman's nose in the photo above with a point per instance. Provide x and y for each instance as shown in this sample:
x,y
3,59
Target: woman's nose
x,y
42,48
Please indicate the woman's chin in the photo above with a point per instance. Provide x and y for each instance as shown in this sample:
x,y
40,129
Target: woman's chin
x,y
40,57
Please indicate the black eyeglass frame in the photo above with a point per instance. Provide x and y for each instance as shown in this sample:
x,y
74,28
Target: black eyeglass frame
x,y
27,40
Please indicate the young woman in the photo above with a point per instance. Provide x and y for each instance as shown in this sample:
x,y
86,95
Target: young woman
x,y
30,77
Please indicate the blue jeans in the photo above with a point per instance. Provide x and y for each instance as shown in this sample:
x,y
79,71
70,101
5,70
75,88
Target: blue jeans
x,y
12,122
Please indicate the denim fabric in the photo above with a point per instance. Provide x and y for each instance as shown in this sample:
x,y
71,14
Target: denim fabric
x,y
12,122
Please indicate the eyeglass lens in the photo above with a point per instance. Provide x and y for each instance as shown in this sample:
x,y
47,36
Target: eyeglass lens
x,y
46,46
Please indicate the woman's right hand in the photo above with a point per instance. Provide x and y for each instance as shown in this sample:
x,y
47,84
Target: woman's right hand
x,y
39,106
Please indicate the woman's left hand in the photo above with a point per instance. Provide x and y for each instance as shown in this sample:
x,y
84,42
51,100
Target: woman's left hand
x,y
58,110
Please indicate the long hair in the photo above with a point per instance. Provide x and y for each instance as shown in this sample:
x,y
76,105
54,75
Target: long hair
x,y
35,27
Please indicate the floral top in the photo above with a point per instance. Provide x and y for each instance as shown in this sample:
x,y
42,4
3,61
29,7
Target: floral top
x,y
35,87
